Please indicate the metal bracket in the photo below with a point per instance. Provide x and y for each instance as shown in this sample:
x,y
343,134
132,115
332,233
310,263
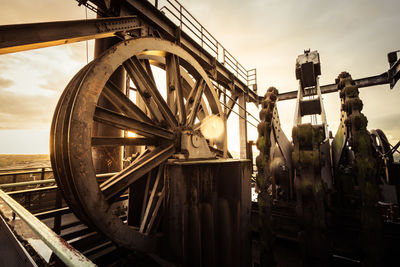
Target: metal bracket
x,y
195,145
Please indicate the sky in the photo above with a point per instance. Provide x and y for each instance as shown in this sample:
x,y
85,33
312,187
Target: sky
x,y
268,35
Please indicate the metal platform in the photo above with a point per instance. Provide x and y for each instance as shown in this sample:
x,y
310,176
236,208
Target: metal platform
x,y
41,230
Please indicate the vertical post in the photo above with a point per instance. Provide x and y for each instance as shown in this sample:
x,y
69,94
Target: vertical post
x,y
243,126
225,155
218,59
250,152
14,181
108,158
57,216
42,174
41,178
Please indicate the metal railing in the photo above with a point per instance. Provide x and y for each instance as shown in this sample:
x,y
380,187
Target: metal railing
x,y
69,255
11,176
188,23
34,198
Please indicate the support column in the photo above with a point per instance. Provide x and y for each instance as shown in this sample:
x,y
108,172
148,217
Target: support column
x,y
243,126
108,158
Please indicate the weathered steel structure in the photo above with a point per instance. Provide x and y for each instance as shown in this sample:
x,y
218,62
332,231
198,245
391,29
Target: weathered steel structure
x,y
324,189
144,166
169,190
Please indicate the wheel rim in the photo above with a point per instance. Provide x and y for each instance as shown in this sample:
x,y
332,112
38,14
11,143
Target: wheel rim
x,y
72,140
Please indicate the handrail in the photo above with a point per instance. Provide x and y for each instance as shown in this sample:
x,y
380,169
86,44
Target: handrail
x,y
36,182
24,169
183,18
24,172
69,255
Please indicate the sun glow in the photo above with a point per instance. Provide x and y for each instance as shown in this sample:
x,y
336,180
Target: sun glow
x,y
131,134
212,127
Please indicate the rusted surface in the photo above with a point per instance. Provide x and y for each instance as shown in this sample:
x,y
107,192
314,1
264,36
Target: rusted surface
x,y
69,255
207,218
73,128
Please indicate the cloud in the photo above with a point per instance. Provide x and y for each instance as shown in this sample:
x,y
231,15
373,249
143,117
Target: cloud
x,y
4,83
25,112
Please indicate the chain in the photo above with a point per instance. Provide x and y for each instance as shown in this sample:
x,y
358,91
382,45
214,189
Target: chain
x,y
364,167
263,179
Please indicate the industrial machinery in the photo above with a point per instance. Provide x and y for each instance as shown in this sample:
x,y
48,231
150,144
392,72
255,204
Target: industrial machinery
x,y
321,189
139,152
138,141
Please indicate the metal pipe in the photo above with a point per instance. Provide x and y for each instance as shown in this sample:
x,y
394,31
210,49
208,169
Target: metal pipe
x,y
28,192
47,181
22,172
25,169
69,255
330,88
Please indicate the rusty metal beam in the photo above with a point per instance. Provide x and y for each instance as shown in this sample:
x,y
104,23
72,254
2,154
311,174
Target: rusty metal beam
x,y
21,37
330,88
243,127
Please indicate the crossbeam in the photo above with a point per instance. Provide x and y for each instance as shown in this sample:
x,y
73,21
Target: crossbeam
x,y
390,77
331,88
21,37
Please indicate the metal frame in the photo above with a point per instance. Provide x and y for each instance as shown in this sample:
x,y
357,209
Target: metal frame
x,y
21,37
389,77
148,20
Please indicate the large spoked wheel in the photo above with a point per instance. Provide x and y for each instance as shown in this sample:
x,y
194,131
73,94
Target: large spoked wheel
x,y
167,125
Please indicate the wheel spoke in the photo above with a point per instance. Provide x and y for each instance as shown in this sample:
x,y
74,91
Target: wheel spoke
x,y
123,141
147,66
187,86
174,87
121,181
192,93
194,101
146,195
170,72
151,199
126,123
155,212
123,103
146,86
145,96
